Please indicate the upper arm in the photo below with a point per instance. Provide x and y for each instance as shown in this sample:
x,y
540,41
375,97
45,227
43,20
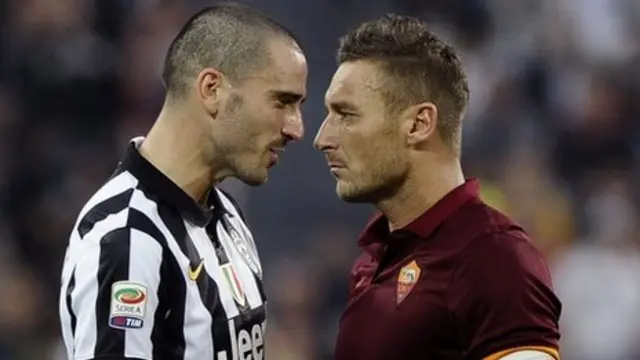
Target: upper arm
x,y
501,297
115,295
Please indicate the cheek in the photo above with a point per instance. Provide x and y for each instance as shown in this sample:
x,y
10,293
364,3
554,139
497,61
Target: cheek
x,y
382,158
266,122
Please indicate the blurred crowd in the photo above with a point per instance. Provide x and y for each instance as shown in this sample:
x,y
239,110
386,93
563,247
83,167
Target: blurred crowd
x,y
551,131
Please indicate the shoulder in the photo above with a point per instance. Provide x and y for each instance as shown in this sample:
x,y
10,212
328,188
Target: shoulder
x,y
505,254
501,295
480,219
476,222
108,203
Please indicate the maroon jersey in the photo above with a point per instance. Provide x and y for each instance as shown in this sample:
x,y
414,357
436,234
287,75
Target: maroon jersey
x,y
460,282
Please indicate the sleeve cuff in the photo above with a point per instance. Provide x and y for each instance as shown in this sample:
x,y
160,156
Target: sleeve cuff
x,y
551,351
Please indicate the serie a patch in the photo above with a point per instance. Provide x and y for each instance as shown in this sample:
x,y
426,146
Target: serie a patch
x,y
128,302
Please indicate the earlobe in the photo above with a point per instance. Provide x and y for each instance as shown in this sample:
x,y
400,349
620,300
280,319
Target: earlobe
x,y
423,119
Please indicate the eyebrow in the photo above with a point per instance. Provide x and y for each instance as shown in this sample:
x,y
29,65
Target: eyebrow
x,y
286,96
341,105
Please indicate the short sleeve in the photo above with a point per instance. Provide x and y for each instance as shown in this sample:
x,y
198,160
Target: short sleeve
x,y
113,296
501,297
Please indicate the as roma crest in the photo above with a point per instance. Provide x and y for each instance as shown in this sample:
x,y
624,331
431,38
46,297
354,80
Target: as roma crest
x,y
407,279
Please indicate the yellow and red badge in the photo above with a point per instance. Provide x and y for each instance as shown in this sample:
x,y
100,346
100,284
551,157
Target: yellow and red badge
x,y
407,279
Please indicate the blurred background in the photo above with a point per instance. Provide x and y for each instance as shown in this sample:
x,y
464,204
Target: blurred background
x,y
552,131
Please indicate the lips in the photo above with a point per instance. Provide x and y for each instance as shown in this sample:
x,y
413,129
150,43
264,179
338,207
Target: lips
x,y
335,163
277,150
274,155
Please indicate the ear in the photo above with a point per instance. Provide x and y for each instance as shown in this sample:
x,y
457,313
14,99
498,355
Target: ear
x,y
421,121
208,86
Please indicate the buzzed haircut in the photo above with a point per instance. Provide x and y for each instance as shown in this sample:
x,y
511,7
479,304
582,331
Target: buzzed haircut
x,y
417,67
228,36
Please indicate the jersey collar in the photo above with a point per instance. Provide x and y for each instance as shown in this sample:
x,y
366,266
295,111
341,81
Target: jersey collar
x,y
160,185
377,231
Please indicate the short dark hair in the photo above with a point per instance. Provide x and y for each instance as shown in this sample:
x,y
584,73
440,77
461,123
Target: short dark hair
x,y
418,67
228,36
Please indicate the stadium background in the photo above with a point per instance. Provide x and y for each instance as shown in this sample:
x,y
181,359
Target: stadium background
x,y
552,131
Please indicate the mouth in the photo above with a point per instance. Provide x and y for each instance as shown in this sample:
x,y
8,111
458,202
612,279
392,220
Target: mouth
x,y
275,154
335,163
335,167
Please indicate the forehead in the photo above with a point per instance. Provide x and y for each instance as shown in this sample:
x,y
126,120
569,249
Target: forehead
x,y
355,82
287,67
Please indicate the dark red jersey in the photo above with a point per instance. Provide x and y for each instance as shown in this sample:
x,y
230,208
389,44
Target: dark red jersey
x,y
462,281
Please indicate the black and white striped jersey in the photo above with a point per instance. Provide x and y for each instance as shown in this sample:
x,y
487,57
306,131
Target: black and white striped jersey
x,y
149,274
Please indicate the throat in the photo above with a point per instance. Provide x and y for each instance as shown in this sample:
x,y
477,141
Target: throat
x,y
411,201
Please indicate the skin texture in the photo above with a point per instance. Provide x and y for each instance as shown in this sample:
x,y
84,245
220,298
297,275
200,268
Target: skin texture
x,y
224,128
364,146
254,120
393,158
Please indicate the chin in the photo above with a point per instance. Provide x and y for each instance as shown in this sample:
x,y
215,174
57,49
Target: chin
x,y
351,194
254,178
371,193
254,181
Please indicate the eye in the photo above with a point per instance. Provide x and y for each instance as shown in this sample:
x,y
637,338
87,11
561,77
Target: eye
x,y
285,104
344,115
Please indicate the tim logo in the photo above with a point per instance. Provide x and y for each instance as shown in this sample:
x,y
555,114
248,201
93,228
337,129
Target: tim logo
x,y
123,322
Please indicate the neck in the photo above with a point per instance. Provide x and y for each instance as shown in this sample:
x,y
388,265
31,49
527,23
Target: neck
x,y
173,146
420,192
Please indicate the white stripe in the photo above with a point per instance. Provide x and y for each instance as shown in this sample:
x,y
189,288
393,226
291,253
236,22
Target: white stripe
x,y
244,273
146,258
116,186
85,294
65,317
102,228
211,266
67,270
244,230
206,250
198,338
84,300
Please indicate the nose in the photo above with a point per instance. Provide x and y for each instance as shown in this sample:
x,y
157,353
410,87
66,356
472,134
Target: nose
x,y
321,142
294,127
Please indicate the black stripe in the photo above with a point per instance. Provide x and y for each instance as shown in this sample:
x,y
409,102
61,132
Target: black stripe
x,y
113,266
110,206
260,285
70,287
141,222
207,287
167,335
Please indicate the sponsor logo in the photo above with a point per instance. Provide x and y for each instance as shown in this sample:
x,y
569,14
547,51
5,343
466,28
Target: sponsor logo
x,y
195,273
128,301
407,279
245,344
